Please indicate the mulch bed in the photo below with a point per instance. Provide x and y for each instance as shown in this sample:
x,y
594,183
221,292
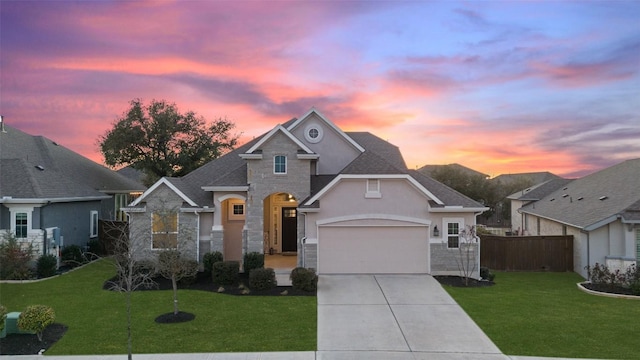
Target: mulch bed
x,y
171,318
459,281
611,289
204,282
28,344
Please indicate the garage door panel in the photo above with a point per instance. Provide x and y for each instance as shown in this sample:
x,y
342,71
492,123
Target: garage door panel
x,y
380,250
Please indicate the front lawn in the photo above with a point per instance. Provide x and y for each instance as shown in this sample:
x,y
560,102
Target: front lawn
x,y
544,314
224,323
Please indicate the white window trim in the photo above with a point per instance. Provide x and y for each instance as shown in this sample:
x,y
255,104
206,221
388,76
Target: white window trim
x,y
231,215
177,232
93,225
286,165
373,189
17,210
445,230
311,139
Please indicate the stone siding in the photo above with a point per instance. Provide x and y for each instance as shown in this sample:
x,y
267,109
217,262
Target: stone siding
x,y
310,258
443,260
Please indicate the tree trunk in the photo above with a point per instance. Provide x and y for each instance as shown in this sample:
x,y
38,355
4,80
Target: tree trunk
x,y
129,342
174,282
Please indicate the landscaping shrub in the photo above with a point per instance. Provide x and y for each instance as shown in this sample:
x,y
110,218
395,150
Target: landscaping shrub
x,y
15,259
211,258
253,260
601,274
94,249
36,318
486,274
225,272
3,316
46,266
148,267
304,279
72,255
262,279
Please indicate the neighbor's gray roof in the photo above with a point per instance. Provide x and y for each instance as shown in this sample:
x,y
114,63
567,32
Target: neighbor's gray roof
x,y
539,191
447,195
34,167
578,202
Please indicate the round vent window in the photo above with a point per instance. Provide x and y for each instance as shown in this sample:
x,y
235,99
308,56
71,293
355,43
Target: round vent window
x,y
313,134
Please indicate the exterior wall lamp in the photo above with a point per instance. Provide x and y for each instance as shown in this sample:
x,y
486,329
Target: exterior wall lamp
x,y
436,232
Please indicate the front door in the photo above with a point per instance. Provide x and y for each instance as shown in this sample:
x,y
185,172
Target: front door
x,y
289,229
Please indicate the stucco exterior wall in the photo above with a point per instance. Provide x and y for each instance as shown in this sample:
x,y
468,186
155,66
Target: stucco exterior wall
x,y
548,227
336,152
516,217
263,182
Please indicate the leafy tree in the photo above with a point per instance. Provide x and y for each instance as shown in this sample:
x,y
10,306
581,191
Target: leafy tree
x,y
160,141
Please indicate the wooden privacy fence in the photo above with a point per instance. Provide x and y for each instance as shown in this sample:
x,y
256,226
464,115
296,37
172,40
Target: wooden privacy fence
x,y
527,253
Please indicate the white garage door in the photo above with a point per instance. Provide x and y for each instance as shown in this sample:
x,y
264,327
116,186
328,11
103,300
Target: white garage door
x,y
373,250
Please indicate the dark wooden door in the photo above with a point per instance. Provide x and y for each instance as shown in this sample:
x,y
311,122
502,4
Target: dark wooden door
x,y
289,229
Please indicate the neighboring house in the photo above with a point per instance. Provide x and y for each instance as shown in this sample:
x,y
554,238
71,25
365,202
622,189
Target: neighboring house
x,y
50,195
342,202
502,216
430,169
529,195
601,211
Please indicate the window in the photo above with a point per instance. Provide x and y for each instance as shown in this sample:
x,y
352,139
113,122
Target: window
x,y
236,210
93,227
313,133
373,189
453,238
21,225
165,230
280,164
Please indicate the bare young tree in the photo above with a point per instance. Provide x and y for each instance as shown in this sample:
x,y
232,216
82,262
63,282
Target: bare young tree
x,y
173,240
468,251
131,274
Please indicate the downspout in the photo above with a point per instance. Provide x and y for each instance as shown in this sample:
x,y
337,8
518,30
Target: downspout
x,y
588,253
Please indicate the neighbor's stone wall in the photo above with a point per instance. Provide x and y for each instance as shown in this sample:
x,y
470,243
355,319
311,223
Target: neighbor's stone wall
x,y
443,259
263,182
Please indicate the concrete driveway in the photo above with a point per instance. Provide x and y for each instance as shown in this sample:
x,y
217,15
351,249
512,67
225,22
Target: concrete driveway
x,y
395,317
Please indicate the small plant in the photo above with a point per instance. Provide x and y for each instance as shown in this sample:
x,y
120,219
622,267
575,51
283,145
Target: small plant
x,y
3,316
262,279
486,274
226,272
211,258
94,249
15,258
304,279
36,318
253,260
72,256
46,266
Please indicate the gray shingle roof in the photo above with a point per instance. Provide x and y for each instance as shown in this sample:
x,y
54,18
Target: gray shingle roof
x,y
382,148
539,191
34,167
588,201
533,177
429,169
446,194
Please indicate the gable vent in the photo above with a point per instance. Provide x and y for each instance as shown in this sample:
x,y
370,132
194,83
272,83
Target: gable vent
x,y
603,198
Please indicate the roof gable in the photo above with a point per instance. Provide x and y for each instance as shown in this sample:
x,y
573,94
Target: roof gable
x,y
270,134
298,122
169,182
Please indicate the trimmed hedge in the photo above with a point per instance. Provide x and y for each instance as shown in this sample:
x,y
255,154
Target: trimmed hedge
x,y
211,258
46,266
226,272
304,279
253,260
262,279
36,318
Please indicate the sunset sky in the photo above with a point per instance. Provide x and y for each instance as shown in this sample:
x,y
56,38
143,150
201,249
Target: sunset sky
x,y
498,86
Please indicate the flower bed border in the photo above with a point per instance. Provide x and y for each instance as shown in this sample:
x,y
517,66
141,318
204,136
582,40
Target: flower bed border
x,y
606,294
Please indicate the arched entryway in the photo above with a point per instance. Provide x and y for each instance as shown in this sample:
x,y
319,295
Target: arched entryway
x,y
280,228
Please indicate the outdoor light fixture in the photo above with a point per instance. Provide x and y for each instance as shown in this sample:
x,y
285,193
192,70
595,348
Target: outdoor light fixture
x,y
436,232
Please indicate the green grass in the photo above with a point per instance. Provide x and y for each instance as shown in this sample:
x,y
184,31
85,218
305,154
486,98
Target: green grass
x,y
97,318
545,314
